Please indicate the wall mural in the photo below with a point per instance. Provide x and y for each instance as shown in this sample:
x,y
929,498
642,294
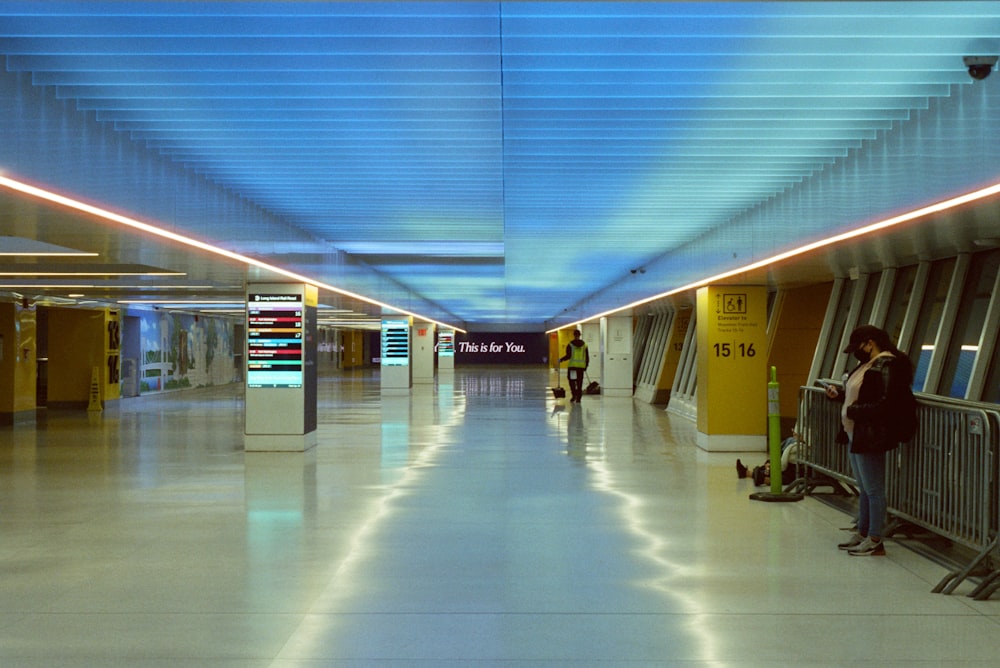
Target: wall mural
x,y
181,351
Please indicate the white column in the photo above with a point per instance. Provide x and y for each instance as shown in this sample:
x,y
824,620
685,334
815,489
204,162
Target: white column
x,y
422,352
616,344
591,334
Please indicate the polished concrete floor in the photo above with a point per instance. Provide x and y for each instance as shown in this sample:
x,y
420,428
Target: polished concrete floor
x,y
474,523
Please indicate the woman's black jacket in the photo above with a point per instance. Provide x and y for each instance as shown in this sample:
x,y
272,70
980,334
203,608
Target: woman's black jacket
x,y
876,409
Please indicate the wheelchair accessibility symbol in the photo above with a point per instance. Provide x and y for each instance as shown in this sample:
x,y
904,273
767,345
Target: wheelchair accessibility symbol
x,y
734,303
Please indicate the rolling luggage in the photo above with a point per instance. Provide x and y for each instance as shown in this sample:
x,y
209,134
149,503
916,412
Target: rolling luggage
x,y
558,392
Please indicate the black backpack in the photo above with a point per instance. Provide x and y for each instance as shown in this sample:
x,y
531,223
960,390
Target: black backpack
x,y
904,424
902,413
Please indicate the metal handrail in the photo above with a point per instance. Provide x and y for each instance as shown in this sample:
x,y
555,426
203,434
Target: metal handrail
x,y
944,481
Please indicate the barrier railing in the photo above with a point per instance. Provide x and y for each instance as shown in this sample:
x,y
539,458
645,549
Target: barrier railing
x,y
945,481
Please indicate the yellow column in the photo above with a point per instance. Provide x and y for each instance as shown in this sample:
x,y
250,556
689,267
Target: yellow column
x,y
732,368
18,362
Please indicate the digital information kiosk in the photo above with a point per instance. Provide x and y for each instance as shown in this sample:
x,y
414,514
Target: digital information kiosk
x,y
280,412
446,349
395,355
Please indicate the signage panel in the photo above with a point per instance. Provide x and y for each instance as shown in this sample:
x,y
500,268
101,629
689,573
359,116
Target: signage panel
x,y
446,343
275,340
395,343
503,348
732,359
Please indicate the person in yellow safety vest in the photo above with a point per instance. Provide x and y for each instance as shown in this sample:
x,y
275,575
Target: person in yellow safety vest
x,y
579,359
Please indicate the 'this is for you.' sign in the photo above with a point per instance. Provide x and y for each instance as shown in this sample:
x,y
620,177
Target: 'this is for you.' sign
x,y
506,348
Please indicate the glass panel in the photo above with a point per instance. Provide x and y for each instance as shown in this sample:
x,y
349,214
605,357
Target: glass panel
x,y
902,293
991,391
691,363
930,315
969,323
865,316
839,322
642,330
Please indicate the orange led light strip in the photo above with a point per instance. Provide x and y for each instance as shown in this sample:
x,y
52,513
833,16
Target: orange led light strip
x,y
70,203
945,205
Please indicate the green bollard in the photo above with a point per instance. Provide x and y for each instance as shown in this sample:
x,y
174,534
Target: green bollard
x,y
774,430
774,445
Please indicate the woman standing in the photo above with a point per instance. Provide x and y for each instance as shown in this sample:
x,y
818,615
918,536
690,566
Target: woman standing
x,y
871,395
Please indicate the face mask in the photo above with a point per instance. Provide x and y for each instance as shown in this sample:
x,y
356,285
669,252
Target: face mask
x,y
861,355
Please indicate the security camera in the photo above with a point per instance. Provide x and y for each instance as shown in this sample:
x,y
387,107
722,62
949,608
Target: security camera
x,y
980,66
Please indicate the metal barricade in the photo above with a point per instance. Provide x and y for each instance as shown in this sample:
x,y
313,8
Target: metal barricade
x,y
988,426
821,460
944,481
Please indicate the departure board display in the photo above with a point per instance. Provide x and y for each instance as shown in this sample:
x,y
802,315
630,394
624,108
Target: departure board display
x,y
446,343
395,342
274,340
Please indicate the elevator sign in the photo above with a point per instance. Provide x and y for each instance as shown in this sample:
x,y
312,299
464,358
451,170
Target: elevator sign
x,y
274,340
732,364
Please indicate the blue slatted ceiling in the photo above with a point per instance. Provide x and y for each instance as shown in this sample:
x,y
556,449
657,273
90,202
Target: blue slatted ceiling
x,y
466,131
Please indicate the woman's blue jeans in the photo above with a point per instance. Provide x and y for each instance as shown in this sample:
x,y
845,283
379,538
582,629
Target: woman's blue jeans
x,y
869,473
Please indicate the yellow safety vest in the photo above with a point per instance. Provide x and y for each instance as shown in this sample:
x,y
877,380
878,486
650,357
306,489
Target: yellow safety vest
x,y
578,359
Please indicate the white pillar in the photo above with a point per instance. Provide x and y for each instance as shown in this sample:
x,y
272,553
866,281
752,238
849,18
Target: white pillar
x,y
422,352
591,334
616,344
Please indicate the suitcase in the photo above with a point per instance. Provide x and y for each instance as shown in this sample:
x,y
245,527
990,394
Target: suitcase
x,y
558,392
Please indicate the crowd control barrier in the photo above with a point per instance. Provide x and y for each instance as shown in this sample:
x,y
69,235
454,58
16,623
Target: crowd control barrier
x,y
944,481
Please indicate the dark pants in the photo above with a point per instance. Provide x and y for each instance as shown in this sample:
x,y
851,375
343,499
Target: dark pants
x,y
575,377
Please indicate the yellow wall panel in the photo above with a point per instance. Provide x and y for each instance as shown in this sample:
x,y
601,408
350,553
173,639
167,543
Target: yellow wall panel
x,y
354,349
18,360
796,333
76,347
26,369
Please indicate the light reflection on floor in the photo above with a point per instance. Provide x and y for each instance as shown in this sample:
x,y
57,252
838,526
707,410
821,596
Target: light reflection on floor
x,y
477,522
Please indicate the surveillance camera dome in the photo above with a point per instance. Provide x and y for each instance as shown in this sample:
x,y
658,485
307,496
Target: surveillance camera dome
x,y
980,67
980,72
